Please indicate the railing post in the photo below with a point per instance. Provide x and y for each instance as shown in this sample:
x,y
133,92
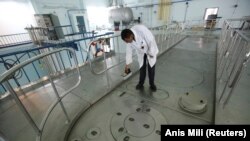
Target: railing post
x,y
22,107
119,52
61,60
22,69
56,92
106,67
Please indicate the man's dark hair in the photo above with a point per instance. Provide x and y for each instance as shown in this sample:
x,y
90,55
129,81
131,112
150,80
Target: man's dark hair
x,y
126,33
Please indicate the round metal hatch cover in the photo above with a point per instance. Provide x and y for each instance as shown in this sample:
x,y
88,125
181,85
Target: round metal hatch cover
x,y
137,123
193,102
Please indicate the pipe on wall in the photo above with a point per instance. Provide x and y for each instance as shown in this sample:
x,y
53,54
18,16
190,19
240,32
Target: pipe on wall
x,y
147,5
185,16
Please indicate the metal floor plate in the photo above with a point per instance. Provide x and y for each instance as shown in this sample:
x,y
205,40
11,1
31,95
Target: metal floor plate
x,y
140,123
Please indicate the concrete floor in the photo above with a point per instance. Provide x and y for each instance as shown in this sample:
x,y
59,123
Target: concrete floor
x,y
126,113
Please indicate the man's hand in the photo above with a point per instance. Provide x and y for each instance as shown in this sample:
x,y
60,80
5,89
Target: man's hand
x,y
126,68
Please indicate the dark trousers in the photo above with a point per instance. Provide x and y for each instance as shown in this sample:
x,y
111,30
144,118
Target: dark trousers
x,y
151,72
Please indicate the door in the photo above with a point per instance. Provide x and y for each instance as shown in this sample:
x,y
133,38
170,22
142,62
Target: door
x,y
210,11
81,24
210,17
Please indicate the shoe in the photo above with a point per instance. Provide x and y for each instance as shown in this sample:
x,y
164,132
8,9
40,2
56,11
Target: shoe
x,y
139,87
153,88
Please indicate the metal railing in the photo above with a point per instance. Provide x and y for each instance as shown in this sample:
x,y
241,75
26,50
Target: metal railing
x,y
38,35
168,35
238,24
22,78
56,34
14,40
11,72
102,42
201,24
232,57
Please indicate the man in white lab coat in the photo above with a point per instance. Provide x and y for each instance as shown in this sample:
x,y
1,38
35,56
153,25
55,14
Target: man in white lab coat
x,y
140,38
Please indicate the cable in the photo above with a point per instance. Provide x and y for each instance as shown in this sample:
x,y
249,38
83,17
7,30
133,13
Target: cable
x,y
9,63
235,6
18,73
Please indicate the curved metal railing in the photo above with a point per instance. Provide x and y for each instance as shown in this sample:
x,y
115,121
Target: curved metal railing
x,y
101,42
9,74
9,59
232,56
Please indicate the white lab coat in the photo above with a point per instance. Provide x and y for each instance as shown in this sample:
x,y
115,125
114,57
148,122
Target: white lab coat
x,y
144,44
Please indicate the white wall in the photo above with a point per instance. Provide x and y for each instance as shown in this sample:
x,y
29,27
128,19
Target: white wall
x,y
15,15
60,8
197,8
12,12
97,3
57,7
148,14
195,11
